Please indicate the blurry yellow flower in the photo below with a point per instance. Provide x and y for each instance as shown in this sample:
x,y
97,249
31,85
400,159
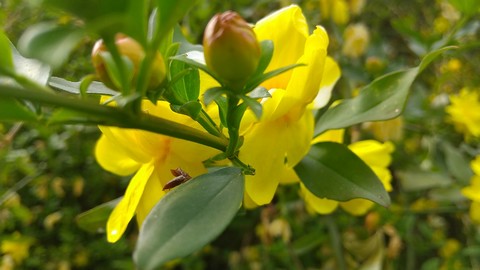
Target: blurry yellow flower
x,y
453,65
151,157
450,247
17,246
356,6
286,118
52,219
464,112
337,10
473,191
375,154
356,39
389,130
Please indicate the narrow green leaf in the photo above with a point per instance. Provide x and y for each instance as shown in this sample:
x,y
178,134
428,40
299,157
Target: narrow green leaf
x,y
257,80
12,110
266,47
95,219
50,43
331,170
184,58
191,108
6,61
457,163
189,217
74,87
259,92
114,72
382,99
212,94
170,13
254,105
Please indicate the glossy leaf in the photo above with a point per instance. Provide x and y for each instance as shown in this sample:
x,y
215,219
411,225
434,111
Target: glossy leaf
x,y
74,87
382,99
331,170
95,219
189,217
30,68
186,88
50,43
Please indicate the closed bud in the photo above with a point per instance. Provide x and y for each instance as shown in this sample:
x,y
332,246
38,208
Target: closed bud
x,y
231,48
127,47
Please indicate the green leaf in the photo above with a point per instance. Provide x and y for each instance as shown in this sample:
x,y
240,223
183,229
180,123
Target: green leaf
x,y
254,105
468,7
12,110
331,170
457,164
257,80
189,217
417,180
114,72
382,99
259,92
50,43
30,68
6,61
74,87
187,88
212,94
266,47
184,58
95,219
191,108
169,14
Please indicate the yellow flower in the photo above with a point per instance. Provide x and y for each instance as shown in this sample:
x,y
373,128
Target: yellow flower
x,y
464,112
375,154
276,143
17,246
151,157
473,191
356,40
338,10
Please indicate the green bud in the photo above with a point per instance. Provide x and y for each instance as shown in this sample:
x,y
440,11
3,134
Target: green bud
x,y
131,49
231,48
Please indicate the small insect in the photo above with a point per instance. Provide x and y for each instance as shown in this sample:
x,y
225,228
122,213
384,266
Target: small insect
x,y
180,177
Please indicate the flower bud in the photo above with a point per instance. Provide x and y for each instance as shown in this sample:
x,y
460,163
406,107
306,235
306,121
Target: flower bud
x,y
231,47
131,49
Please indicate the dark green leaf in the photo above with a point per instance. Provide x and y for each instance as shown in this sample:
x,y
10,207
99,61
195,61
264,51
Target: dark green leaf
x,y
331,170
191,108
95,219
254,105
382,99
266,47
50,43
186,88
189,217
74,87
6,61
257,80
170,13
457,164
12,110
212,94
259,92
184,58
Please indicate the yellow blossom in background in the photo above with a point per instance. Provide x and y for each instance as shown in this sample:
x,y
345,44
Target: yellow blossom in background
x,y
356,6
464,112
473,191
17,247
375,154
389,130
337,10
285,117
356,39
150,157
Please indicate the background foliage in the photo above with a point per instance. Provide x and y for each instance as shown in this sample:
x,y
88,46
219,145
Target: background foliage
x,y
48,174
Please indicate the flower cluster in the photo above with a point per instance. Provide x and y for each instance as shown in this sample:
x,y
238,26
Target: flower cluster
x,y
464,112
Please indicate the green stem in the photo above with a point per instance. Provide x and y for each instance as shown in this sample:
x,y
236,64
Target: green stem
x,y
233,129
112,116
336,242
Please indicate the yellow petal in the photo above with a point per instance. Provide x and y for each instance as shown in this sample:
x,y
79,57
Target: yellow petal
x,y
127,140
288,30
125,209
289,177
297,137
357,207
384,175
319,205
152,194
473,190
334,135
475,164
113,159
475,212
305,81
331,74
373,153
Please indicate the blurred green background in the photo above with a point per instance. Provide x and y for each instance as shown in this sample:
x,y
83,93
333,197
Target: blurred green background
x,y
48,174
